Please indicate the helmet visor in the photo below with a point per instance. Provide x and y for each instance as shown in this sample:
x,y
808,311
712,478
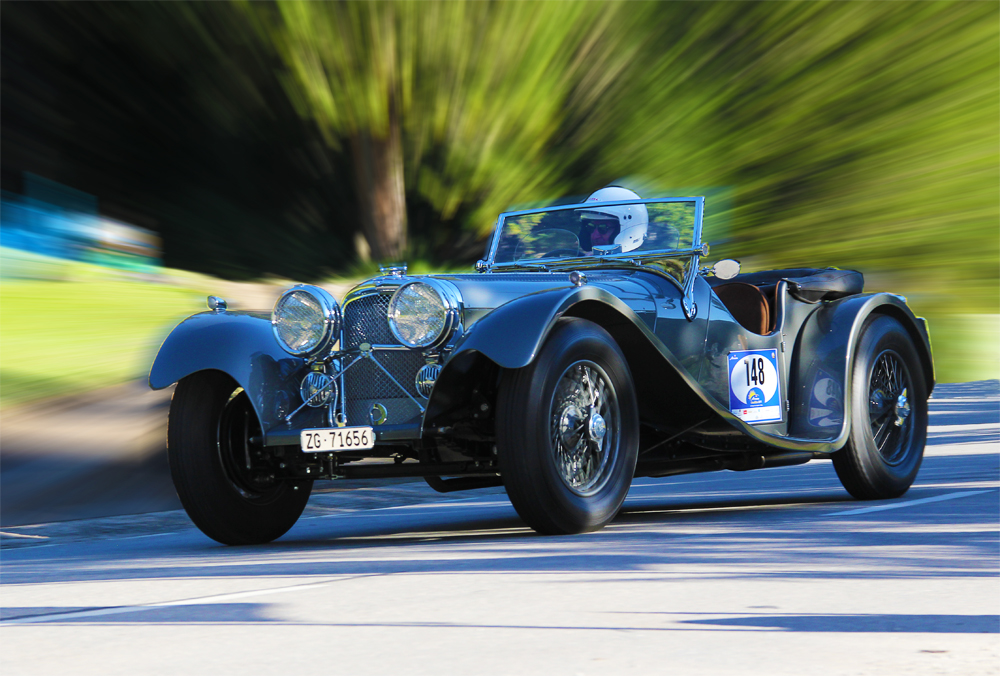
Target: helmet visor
x,y
599,221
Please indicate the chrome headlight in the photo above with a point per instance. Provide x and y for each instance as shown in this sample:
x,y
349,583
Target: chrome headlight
x,y
306,320
425,313
318,389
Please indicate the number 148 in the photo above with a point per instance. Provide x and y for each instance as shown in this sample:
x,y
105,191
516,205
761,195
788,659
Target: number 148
x,y
755,370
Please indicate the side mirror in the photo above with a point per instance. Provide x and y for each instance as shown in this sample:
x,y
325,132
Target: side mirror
x,y
726,269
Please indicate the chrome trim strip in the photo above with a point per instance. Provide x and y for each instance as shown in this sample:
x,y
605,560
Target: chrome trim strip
x,y
387,348
688,305
331,410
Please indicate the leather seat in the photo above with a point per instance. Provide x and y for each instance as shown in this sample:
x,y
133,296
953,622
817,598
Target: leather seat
x,y
747,304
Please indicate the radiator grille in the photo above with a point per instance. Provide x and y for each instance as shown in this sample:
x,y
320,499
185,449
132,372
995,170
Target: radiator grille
x,y
365,380
365,321
365,383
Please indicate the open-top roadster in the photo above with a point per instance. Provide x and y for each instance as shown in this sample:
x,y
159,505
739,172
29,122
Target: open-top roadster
x,y
588,348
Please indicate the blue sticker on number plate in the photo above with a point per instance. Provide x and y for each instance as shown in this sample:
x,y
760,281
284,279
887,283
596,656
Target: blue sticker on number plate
x,y
754,386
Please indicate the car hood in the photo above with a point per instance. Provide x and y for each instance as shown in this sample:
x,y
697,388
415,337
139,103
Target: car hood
x,y
482,293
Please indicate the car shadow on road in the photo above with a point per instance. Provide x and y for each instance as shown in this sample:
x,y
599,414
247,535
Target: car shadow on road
x,y
715,539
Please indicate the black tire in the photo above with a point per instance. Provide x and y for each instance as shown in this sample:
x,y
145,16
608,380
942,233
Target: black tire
x,y
888,414
211,421
561,474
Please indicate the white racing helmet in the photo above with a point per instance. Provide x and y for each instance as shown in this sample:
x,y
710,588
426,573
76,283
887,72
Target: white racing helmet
x,y
633,219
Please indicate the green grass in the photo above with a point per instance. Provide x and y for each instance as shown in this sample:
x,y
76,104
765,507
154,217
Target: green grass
x,y
64,337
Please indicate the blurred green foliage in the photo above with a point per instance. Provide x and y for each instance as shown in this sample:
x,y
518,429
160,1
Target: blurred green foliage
x,y
854,134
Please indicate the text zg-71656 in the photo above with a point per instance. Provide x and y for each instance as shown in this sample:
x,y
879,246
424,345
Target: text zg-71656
x,y
337,439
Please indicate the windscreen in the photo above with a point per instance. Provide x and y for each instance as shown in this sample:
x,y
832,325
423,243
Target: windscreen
x,y
574,232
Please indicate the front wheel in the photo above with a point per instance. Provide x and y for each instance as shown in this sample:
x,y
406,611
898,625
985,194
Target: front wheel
x,y
227,486
888,414
568,431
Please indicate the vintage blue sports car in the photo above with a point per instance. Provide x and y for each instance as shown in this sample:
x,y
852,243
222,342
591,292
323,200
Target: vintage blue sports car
x,y
589,347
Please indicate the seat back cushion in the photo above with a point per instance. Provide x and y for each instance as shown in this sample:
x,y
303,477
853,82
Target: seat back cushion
x,y
826,285
747,304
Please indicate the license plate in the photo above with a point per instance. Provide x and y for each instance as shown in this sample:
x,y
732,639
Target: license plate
x,y
337,439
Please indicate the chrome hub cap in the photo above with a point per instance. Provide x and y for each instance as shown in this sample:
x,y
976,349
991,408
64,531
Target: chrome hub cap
x,y
902,408
597,428
889,407
584,428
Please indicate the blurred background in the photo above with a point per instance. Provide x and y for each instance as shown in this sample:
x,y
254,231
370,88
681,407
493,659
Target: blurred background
x,y
152,153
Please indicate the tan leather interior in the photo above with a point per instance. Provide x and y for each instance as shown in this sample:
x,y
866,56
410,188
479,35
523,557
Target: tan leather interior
x,y
747,304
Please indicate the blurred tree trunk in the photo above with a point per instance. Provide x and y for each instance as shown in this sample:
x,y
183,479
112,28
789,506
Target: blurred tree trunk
x,y
378,172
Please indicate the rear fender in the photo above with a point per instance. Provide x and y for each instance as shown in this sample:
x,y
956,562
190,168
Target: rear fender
x,y
820,378
241,345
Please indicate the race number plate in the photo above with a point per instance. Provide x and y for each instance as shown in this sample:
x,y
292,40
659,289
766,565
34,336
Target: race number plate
x,y
754,386
337,439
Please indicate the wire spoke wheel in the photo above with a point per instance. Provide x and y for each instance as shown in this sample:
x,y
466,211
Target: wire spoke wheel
x,y
585,427
889,406
568,431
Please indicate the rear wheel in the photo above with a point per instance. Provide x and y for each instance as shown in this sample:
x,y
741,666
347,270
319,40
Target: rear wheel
x,y
888,414
227,486
568,431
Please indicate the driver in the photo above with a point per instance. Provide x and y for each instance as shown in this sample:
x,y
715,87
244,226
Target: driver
x,y
595,230
624,225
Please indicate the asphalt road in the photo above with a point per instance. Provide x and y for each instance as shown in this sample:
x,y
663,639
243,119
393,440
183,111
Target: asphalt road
x,y
770,572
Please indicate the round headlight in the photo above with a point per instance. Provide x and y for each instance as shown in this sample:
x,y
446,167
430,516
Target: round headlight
x,y
424,313
305,320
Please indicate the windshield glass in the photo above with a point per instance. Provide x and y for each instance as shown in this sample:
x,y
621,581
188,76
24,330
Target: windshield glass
x,y
574,232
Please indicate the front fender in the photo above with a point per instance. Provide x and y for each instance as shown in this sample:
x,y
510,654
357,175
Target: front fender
x,y
512,334
240,344
510,337
820,378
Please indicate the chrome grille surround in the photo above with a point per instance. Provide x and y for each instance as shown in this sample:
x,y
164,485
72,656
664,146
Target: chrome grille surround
x,y
366,320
